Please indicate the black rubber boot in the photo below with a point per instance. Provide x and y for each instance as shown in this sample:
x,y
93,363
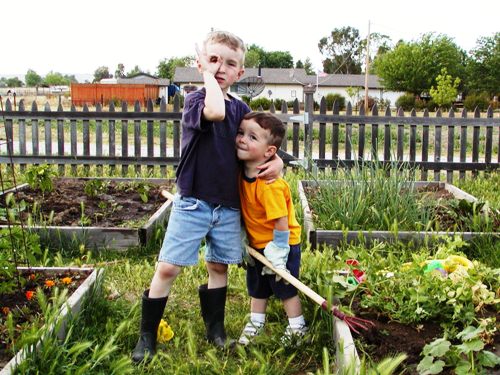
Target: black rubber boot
x,y
152,311
213,303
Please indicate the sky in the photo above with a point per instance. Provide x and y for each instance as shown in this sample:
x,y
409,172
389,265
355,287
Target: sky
x,y
78,37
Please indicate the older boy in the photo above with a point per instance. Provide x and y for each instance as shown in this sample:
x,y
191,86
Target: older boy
x,y
207,203
270,222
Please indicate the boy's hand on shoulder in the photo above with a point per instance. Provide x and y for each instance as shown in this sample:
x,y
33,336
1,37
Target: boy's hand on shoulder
x,y
271,170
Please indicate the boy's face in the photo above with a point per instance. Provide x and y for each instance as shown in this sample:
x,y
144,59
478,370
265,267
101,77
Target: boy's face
x,y
231,68
252,142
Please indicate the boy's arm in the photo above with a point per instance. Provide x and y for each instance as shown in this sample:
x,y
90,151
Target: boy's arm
x,y
208,66
277,250
271,170
215,107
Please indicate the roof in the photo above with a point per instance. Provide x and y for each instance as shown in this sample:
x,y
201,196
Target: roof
x,y
286,77
145,79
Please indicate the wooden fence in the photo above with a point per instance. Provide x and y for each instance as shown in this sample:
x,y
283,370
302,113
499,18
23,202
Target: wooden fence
x,y
430,142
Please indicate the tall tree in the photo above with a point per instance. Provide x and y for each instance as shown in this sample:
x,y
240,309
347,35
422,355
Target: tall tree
x,y
342,51
55,79
278,59
134,71
252,59
120,71
483,66
101,73
166,67
414,66
32,78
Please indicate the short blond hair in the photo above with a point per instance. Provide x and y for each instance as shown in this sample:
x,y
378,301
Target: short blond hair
x,y
228,39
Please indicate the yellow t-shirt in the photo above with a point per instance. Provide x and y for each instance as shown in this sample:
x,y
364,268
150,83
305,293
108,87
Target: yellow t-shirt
x,y
261,205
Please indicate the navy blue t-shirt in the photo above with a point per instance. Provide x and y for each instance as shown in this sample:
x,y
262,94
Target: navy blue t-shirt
x,y
209,168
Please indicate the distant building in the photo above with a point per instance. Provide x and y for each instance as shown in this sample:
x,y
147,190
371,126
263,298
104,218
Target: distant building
x,y
287,84
140,87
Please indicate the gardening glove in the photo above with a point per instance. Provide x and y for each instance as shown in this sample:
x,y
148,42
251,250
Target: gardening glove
x,y
248,260
277,251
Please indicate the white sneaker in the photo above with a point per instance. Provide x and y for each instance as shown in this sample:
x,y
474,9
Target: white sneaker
x,y
249,332
294,335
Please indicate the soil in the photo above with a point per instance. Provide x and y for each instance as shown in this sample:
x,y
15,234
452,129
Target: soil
x,y
388,338
24,306
115,204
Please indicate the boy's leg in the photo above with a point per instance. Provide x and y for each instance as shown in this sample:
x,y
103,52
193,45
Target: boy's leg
x,y
186,228
222,248
257,320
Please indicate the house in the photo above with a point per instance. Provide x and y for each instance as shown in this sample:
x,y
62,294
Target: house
x,y
140,87
288,84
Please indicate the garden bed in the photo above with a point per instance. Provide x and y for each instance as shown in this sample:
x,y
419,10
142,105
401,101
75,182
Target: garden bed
x,y
318,235
23,302
98,212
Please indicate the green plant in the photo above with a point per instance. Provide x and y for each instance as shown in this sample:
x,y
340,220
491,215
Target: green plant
x,y
84,219
40,177
446,89
95,187
406,101
480,101
468,357
331,98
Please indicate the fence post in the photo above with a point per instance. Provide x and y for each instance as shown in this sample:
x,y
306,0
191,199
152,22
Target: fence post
x,y
308,124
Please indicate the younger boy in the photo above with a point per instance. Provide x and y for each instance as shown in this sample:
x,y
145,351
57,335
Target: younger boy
x,y
271,226
207,204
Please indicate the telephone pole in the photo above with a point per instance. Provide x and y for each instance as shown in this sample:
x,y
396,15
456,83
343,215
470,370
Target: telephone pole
x,y
367,67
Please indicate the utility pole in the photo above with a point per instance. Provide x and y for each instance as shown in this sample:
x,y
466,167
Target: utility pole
x,y
367,67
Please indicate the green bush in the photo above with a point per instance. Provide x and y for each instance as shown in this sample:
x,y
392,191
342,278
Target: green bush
x,y
256,103
330,98
406,101
481,101
278,103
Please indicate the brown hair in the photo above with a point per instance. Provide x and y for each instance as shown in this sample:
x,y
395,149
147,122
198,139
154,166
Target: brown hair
x,y
269,122
228,39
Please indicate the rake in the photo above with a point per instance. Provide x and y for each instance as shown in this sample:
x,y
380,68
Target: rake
x,y
354,323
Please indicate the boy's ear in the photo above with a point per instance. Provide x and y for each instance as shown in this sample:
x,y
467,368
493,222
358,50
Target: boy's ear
x,y
198,65
271,150
241,72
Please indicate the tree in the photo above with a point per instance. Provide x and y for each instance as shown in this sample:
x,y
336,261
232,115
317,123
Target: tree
x,y
134,71
252,59
307,65
278,59
120,71
483,66
14,82
447,88
342,51
256,56
55,79
414,66
101,73
166,68
32,78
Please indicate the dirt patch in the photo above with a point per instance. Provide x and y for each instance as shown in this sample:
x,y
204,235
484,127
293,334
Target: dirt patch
x,y
78,202
21,303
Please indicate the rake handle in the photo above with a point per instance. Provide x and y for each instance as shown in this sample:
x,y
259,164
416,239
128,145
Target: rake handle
x,y
290,278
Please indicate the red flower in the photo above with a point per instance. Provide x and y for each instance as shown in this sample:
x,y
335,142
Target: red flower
x,y
30,294
5,310
31,276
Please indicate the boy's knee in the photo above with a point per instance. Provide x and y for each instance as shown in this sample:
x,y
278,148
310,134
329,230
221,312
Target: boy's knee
x,y
167,271
217,268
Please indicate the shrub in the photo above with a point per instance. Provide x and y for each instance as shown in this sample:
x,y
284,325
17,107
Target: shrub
x,y
406,101
481,101
256,103
278,103
371,102
330,98
382,104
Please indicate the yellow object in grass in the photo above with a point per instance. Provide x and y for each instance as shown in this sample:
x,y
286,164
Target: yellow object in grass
x,y
165,333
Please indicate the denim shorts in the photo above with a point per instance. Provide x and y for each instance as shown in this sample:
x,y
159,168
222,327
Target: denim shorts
x,y
264,286
192,220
